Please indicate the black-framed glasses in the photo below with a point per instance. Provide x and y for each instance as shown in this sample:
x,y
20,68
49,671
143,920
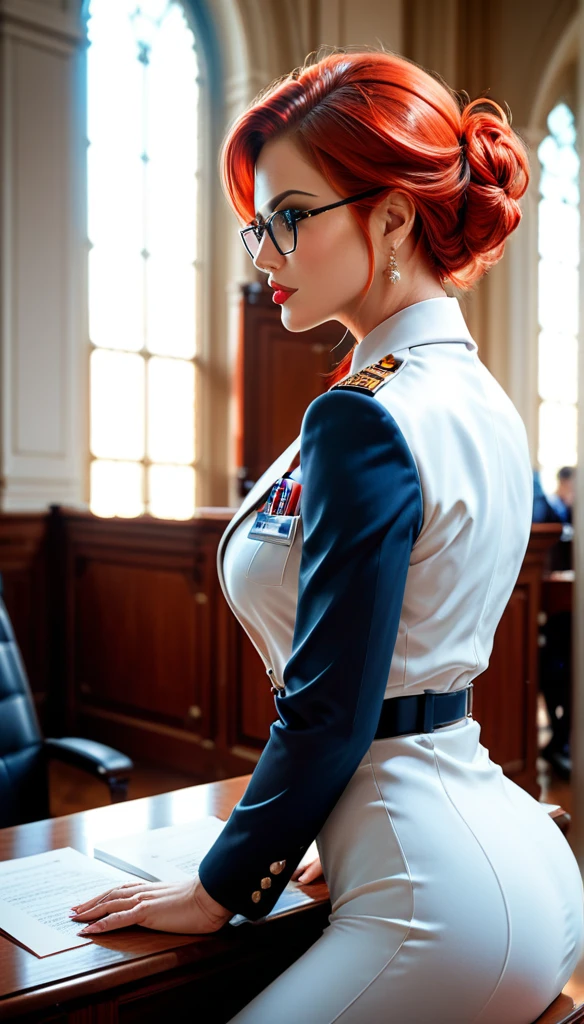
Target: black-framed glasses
x,y
282,225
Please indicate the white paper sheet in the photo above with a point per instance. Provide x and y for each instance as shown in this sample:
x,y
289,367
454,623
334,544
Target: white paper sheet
x,y
37,893
173,853
168,854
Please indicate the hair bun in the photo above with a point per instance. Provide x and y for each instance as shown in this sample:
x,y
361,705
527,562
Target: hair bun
x,y
498,176
492,148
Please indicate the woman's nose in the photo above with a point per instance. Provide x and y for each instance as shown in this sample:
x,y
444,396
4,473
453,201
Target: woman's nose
x,y
267,257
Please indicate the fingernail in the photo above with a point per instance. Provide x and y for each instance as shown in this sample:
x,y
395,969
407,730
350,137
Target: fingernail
x,y
301,878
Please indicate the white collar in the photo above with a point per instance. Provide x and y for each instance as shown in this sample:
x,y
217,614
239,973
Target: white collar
x,y
423,323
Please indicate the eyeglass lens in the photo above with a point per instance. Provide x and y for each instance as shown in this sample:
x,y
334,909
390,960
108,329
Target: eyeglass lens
x,y
282,230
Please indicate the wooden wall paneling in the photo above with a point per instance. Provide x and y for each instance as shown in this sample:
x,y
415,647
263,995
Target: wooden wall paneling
x,y
506,694
60,713
256,707
247,705
209,529
136,639
242,703
222,667
23,567
138,636
501,693
530,580
282,374
146,655
253,708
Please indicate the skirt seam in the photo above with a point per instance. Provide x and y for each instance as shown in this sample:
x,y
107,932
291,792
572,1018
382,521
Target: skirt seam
x,y
491,865
407,867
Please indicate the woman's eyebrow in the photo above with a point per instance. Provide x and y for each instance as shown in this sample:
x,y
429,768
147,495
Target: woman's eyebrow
x,y
282,195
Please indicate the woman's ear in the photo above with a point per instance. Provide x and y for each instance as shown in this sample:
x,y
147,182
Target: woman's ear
x,y
398,214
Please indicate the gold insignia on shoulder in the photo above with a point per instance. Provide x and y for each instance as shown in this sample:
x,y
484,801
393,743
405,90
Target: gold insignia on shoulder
x,y
372,377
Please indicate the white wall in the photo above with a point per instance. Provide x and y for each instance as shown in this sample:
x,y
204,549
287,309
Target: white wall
x,y
43,437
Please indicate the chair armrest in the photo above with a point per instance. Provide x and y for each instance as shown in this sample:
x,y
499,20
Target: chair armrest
x,y
93,757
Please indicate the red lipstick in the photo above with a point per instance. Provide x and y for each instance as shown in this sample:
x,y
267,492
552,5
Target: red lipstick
x,y
281,294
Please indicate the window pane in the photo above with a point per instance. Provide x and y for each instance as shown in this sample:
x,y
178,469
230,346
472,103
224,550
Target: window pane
x,y
558,367
114,79
171,306
171,410
559,189
558,306
559,225
560,160
557,435
116,297
115,206
171,491
143,154
558,297
173,94
561,124
116,488
172,188
171,211
117,405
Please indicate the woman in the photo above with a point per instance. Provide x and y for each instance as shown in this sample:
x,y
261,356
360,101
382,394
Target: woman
x,y
374,603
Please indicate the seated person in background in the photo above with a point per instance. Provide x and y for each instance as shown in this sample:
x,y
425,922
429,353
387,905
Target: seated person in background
x,y
543,510
562,499
556,508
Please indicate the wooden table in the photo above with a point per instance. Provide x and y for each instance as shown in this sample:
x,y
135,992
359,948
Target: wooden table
x,y
135,974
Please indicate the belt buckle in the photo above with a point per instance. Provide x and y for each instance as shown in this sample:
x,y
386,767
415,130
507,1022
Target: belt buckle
x,y
470,701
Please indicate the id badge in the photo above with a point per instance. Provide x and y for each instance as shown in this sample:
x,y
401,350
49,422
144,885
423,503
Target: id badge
x,y
274,529
284,498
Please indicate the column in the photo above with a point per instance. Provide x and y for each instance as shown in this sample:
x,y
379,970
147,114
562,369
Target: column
x,y
43,334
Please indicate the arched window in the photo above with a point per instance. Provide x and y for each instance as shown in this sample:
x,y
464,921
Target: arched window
x,y
558,296
143,96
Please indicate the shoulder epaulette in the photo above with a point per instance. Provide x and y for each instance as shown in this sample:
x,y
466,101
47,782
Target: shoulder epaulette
x,y
372,377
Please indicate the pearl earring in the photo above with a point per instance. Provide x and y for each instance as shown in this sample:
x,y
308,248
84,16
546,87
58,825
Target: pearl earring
x,y
391,268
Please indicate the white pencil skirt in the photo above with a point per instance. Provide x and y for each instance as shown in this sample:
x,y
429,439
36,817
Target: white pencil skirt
x,y
455,898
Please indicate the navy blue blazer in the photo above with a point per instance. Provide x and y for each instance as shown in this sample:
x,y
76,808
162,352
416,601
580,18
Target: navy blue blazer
x,y
361,514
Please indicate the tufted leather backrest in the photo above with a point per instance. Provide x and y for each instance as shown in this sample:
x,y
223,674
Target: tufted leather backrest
x,y
23,772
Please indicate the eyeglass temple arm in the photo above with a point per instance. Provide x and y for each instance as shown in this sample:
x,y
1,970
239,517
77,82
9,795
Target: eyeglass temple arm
x,y
301,214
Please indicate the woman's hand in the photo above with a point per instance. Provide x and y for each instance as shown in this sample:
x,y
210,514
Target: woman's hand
x,y
184,907
308,871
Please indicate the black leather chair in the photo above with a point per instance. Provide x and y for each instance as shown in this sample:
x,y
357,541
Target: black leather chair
x,y
25,754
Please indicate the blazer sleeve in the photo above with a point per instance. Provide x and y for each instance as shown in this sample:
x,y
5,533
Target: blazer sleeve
x,y
361,513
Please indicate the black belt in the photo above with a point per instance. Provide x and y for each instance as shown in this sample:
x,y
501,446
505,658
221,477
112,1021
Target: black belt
x,y
423,712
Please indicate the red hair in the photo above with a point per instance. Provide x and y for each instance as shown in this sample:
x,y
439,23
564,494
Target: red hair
x,y
375,118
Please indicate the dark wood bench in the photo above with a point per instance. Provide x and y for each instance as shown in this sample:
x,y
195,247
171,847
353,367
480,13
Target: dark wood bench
x,y
562,1011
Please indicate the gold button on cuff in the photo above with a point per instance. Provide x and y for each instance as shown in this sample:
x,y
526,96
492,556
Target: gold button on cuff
x,y
256,896
266,883
277,866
